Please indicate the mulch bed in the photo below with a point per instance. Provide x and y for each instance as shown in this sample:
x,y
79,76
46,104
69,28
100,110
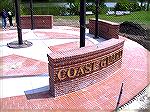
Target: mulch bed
x,y
136,33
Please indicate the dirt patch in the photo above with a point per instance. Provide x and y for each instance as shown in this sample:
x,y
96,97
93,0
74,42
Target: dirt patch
x,y
136,32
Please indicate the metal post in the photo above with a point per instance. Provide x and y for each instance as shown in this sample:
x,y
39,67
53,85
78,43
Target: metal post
x,y
17,8
148,2
96,18
82,22
31,11
119,97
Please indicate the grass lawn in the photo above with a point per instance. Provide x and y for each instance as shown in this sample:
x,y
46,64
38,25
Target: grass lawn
x,y
141,17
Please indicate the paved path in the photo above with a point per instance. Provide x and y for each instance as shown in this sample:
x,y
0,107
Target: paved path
x,y
24,73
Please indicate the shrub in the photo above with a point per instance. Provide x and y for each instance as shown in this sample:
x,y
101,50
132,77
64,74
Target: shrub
x,y
46,11
102,8
127,6
90,8
7,5
74,9
49,10
24,10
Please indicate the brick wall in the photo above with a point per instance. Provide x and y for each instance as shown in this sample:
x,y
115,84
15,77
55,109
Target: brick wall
x,y
40,21
106,30
78,68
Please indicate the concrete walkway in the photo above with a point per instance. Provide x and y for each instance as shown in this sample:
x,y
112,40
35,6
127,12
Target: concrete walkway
x,y
24,76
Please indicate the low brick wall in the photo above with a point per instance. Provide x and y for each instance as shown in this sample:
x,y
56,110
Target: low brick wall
x,y
40,21
106,29
78,68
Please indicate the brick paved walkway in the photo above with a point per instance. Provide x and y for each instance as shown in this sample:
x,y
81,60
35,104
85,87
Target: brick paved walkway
x,y
32,62
18,66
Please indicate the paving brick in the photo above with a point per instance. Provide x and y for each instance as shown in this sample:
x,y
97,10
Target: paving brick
x,y
102,95
69,46
16,66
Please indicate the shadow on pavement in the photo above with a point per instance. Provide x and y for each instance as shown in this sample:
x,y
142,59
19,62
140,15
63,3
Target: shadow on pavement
x,y
38,93
22,76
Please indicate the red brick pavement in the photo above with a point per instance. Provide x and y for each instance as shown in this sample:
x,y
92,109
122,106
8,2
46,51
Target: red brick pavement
x,y
6,35
99,96
69,46
16,66
102,95
54,35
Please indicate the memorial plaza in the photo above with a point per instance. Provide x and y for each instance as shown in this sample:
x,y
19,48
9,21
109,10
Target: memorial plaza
x,y
24,78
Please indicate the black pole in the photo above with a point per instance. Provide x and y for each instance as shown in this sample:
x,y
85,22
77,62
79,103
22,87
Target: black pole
x,y
148,2
119,97
31,11
82,22
96,18
17,8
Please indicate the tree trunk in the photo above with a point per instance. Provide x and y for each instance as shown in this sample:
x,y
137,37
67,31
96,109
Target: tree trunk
x,y
141,4
148,1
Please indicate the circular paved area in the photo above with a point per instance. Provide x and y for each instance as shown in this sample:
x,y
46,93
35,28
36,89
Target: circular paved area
x,y
32,92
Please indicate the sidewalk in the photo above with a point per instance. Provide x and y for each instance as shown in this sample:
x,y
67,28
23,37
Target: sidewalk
x,y
24,76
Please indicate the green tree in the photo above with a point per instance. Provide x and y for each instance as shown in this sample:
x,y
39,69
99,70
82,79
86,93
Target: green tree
x,y
6,4
125,5
74,6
